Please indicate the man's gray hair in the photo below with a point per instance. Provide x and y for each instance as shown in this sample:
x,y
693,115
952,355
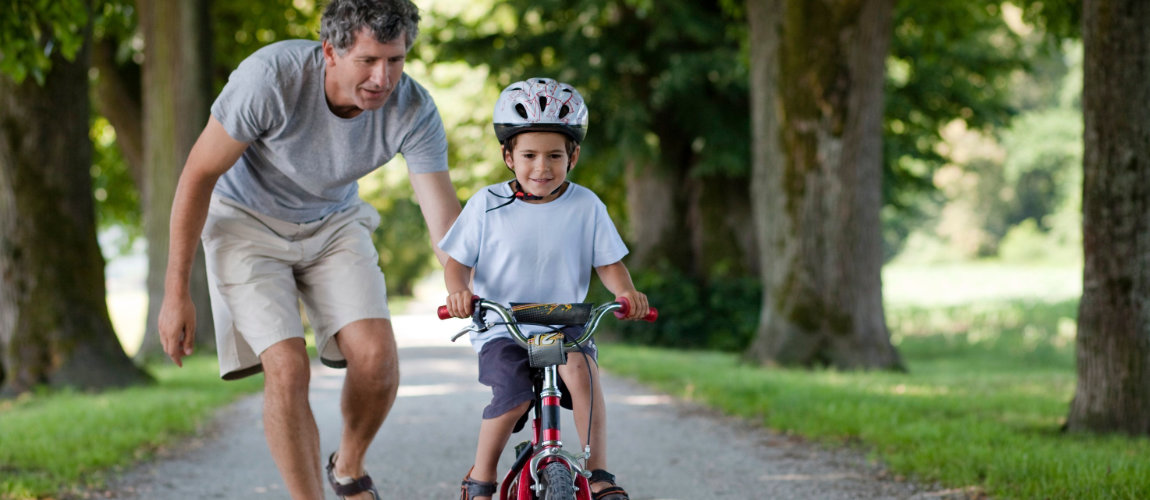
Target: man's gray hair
x,y
387,20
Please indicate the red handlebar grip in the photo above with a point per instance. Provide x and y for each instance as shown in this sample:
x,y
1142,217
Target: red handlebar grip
x,y
443,313
652,313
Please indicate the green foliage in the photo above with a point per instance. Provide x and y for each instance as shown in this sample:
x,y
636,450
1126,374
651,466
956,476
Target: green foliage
x,y
239,28
404,247
1029,171
56,441
665,81
31,31
117,199
981,412
950,60
722,314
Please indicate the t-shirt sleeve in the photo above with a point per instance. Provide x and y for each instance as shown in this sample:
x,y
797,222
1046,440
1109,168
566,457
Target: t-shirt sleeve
x,y
425,146
249,103
463,240
609,247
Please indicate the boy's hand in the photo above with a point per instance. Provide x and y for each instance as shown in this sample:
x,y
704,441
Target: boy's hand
x,y
459,303
639,305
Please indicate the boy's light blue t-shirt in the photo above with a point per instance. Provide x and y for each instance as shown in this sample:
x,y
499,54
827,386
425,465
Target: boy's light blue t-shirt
x,y
303,161
527,252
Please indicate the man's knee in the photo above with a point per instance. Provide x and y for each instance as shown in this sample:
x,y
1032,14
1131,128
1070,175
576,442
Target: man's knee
x,y
286,366
369,345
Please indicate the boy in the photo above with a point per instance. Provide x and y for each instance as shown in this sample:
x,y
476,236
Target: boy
x,y
536,239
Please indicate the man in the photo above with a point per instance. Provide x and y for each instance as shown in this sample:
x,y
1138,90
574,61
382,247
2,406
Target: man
x,y
270,186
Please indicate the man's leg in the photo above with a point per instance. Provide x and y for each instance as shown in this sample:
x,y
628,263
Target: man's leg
x,y
289,425
369,389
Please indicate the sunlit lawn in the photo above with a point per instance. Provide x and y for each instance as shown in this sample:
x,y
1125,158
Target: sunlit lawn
x,y
69,440
991,374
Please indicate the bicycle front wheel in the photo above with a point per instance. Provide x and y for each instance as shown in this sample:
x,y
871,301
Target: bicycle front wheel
x,y
558,482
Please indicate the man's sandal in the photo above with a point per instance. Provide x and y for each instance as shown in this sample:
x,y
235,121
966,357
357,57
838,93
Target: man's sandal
x,y
345,487
613,492
471,488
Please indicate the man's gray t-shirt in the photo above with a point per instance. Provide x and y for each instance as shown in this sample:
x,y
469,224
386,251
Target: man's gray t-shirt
x,y
303,161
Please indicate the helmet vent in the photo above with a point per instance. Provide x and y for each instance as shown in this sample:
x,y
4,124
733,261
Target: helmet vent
x,y
542,103
563,111
519,108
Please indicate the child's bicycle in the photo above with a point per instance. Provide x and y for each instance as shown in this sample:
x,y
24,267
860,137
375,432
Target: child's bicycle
x,y
543,470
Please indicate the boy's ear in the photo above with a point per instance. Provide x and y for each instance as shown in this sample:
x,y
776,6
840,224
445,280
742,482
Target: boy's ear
x,y
574,158
507,158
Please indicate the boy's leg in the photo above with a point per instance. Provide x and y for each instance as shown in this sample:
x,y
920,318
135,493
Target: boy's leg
x,y
584,387
289,425
493,436
369,390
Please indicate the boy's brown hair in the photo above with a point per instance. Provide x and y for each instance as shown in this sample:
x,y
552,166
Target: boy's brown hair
x,y
509,143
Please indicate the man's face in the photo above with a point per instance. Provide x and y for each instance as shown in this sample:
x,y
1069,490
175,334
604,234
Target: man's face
x,y
364,77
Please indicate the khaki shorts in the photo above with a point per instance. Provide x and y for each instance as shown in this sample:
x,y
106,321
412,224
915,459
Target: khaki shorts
x,y
261,268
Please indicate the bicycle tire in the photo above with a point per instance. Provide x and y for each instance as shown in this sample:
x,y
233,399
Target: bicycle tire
x,y
558,482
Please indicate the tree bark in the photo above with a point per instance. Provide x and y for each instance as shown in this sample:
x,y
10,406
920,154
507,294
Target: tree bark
x,y
177,95
817,102
1113,345
54,323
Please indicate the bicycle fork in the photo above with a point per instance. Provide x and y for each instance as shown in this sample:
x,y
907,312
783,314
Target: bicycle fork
x,y
547,438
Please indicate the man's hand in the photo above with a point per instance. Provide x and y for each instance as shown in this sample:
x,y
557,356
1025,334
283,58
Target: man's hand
x,y
177,325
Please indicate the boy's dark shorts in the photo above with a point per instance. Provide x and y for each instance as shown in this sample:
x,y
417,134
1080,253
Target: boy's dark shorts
x,y
504,367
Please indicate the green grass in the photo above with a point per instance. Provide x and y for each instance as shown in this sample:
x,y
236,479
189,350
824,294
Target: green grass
x,y
988,388
67,441
991,374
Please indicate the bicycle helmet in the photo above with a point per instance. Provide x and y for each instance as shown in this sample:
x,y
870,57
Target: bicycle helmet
x,y
540,105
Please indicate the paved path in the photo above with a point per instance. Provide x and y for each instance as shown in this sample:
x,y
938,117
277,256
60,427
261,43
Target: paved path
x,y
660,448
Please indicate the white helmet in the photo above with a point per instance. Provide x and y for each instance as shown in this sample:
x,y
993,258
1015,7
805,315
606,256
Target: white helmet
x,y
540,105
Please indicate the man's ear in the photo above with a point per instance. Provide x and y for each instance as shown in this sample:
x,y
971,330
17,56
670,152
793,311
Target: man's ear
x,y
328,53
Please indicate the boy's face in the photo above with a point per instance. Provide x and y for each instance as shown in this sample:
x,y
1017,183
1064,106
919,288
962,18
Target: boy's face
x,y
365,76
540,161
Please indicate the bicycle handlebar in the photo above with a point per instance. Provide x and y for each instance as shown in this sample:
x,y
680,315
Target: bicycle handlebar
x,y
620,308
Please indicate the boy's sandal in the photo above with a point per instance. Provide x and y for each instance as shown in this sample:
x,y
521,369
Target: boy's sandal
x,y
355,487
471,488
613,492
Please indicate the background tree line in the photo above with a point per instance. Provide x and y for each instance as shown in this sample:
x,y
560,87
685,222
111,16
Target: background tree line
x,y
765,158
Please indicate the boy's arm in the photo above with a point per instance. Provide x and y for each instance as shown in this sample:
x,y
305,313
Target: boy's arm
x,y
457,277
616,278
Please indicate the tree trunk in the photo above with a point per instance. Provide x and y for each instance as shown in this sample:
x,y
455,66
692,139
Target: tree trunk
x,y
817,104
177,93
54,324
694,225
1113,392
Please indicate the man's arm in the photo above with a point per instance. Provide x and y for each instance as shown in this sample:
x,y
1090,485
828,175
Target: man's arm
x,y
439,204
212,155
618,280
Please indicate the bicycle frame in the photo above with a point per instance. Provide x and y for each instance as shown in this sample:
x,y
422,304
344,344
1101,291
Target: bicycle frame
x,y
522,481
546,446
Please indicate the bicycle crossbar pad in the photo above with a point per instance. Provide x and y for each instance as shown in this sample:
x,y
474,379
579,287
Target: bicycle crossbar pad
x,y
551,314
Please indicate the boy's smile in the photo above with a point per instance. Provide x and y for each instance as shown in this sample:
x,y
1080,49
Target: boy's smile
x,y
540,163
